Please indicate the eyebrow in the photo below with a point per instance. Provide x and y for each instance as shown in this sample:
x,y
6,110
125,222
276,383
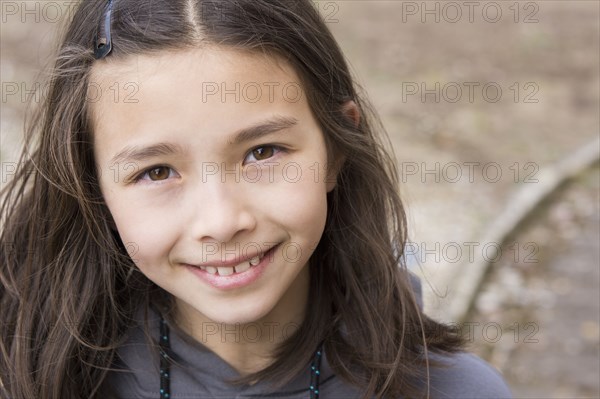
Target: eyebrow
x,y
263,128
273,125
135,153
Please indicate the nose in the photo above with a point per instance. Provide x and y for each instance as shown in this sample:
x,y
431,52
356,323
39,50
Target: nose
x,y
221,210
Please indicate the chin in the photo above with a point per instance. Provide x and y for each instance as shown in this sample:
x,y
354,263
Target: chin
x,y
227,315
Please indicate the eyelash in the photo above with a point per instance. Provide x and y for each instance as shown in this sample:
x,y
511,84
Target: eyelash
x,y
277,149
140,176
145,172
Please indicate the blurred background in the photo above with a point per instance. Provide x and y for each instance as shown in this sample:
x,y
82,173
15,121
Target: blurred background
x,y
493,110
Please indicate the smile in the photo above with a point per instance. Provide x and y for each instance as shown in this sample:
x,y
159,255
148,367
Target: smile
x,y
228,271
234,276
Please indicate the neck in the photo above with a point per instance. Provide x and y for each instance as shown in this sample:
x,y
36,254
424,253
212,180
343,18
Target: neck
x,y
248,347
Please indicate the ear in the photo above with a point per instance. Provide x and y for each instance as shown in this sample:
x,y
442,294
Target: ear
x,y
351,111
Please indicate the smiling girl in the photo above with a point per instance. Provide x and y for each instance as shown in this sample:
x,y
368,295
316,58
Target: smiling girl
x,y
228,229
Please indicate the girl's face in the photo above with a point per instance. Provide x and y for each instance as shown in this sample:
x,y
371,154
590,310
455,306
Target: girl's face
x,y
209,156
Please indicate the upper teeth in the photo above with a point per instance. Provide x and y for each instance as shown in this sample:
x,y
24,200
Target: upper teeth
x,y
255,261
227,271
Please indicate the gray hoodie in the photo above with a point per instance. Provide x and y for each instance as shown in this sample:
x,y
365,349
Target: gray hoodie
x,y
206,373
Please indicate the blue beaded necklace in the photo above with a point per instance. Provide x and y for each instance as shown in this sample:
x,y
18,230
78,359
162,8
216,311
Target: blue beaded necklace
x,y
165,378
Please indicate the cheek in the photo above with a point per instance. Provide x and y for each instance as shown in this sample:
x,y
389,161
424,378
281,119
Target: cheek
x,y
147,239
303,207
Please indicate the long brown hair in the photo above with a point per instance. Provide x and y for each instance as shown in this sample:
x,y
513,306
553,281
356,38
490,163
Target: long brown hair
x,y
69,290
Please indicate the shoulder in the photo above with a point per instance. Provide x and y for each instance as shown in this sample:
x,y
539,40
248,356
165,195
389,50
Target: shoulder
x,y
135,368
462,375
465,375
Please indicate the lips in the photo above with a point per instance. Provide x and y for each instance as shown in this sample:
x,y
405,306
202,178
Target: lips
x,y
234,276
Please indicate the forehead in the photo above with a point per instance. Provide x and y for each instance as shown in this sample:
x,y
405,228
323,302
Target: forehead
x,y
197,98
209,59
216,72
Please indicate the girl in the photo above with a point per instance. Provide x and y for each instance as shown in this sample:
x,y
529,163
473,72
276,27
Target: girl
x,y
205,208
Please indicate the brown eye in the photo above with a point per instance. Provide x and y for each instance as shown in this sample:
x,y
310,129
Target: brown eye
x,y
263,152
160,173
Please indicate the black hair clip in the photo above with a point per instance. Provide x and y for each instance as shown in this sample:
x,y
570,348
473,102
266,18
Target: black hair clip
x,y
103,44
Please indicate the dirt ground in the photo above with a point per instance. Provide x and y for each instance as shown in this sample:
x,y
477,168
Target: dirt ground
x,y
558,56
476,102
538,319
